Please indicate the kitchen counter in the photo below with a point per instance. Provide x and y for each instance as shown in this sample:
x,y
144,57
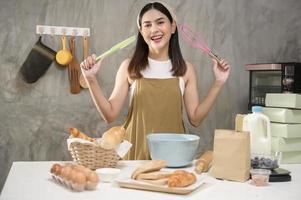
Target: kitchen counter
x,y
33,181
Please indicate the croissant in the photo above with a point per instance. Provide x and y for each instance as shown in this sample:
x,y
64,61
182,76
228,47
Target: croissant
x,y
181,178
76,133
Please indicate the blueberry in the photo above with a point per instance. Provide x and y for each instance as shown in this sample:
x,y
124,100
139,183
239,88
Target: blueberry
x,y
260,163
254,163
268,163
275,164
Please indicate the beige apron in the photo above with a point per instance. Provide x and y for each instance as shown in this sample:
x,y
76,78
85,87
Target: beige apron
x,y
156,107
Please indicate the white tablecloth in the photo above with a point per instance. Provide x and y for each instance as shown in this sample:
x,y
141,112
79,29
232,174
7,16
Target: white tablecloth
x,y
32,181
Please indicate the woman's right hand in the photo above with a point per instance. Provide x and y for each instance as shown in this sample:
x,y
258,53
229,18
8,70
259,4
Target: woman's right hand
x,y
90,66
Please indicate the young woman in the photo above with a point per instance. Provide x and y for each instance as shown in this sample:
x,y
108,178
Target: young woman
x,y
157,79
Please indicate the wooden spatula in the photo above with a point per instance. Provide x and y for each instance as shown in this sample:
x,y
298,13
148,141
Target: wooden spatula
x,y
82,80
73,69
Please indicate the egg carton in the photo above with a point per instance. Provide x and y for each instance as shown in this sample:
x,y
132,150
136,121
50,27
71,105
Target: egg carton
x,y
74,186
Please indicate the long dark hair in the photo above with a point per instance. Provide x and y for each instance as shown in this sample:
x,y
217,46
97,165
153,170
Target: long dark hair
x,y
139,60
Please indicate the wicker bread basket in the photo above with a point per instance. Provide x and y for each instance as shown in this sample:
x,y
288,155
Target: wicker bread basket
x,y
91,155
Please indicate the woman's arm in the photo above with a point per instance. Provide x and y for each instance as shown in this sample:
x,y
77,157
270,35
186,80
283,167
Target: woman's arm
x,y
109,109
197,111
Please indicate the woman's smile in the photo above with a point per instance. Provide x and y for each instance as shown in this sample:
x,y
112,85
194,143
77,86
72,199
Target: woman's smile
x,y
157,38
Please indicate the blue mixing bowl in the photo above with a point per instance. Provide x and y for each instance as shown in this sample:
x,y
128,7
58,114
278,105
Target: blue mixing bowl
x,y
178,150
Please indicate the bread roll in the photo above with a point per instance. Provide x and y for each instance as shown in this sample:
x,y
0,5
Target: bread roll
x,y
181,178
112,137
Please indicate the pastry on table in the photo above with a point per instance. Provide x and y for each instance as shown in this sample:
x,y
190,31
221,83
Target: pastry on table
x,y
181,178
153,165
154,175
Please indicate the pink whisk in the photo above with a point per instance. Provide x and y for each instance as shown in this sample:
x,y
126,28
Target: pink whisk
x,y
196,41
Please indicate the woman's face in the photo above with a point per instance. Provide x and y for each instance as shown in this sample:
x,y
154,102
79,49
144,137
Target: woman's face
x,y
156,29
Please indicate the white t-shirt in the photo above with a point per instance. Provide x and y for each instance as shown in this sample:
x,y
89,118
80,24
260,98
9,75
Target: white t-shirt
x,y
160,70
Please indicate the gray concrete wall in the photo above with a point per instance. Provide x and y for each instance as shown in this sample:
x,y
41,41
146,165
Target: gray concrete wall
x,y
34,118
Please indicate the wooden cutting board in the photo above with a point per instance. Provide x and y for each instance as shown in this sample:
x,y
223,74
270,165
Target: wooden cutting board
x,y
134,184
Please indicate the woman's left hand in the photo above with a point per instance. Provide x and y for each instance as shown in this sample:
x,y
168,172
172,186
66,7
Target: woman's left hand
x,y
221,71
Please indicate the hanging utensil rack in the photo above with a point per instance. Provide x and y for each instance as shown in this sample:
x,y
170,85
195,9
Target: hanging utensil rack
x,y
62,30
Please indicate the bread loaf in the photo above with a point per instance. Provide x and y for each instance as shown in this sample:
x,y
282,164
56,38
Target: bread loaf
x,y
112,137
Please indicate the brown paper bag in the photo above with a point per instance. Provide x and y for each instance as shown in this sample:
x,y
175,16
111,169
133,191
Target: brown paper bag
x,y
231,155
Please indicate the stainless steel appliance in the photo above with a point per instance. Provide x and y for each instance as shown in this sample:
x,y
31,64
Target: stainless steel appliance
x,y
272,78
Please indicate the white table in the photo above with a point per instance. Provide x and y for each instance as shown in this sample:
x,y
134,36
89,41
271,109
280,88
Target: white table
x,y
32,181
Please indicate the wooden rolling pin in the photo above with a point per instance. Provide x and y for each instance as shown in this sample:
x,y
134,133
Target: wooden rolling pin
x,y
204,162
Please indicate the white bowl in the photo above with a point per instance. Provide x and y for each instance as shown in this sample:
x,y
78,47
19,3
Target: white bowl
x,y
107,174
178,150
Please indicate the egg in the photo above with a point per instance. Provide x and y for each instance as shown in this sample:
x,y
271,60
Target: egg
x,y
83,169
78,180
56,169
68,165
65,172
77,187
79,177
92,180
90,185
80,168
93,177
71,174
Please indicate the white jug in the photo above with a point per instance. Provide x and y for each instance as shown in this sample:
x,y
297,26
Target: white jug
x,y
260,131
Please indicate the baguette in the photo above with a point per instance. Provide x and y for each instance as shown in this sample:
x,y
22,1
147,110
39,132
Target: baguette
x,y
76,133
112,137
